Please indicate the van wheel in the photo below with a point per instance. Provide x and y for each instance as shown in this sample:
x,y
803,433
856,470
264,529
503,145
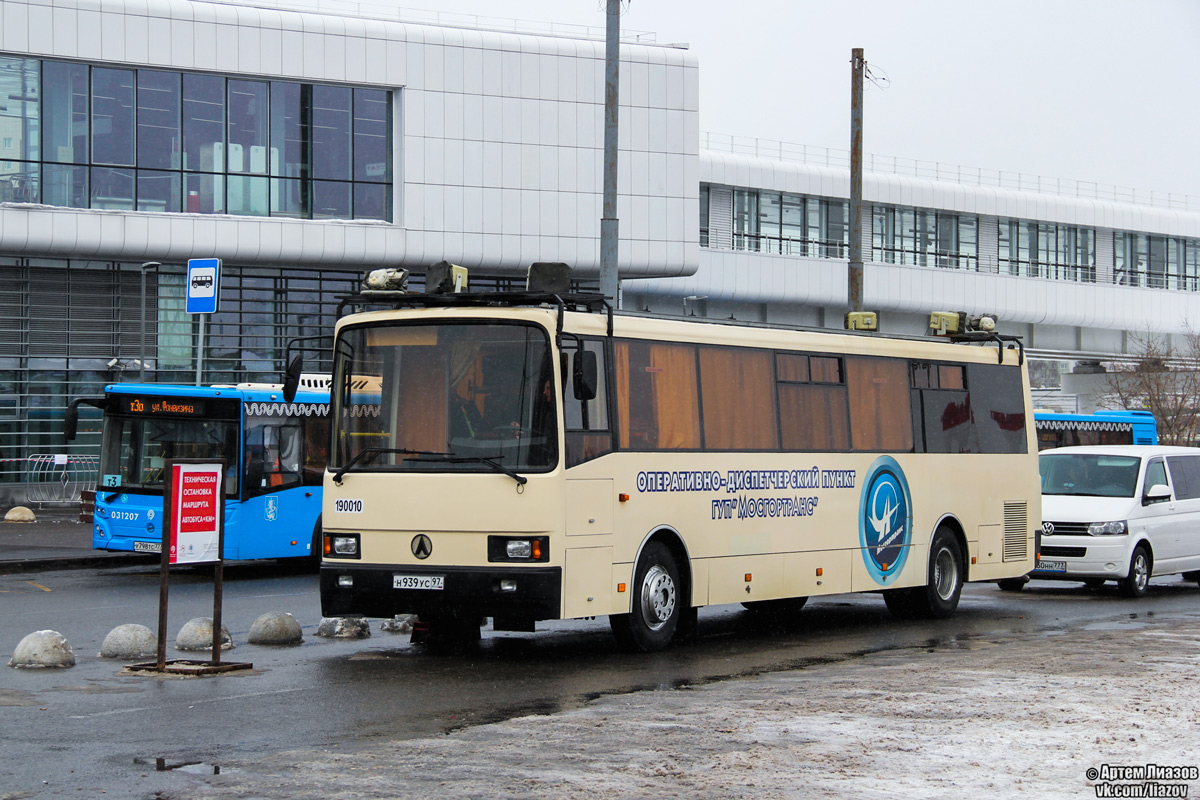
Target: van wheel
x,y
1012,584
1093,583
657,604
1138,580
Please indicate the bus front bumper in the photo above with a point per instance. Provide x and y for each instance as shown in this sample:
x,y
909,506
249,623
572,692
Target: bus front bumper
x,y
532,593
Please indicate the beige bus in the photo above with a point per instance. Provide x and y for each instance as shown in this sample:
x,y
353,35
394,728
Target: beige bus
x,y
530,458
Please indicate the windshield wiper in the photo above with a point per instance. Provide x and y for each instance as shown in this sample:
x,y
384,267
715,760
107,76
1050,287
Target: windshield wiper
x,y
450,458
377,451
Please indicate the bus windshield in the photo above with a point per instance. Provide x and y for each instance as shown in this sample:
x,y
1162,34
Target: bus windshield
x,y
137,448
453,396
1089,474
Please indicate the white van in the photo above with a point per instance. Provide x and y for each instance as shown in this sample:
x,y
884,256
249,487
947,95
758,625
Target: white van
x,y
1121,512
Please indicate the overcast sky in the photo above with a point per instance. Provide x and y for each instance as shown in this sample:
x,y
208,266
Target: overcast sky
x,y
1091,90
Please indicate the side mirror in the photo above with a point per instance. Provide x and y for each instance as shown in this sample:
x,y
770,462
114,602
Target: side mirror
x,y
1156,494
585,376
71,422
291,378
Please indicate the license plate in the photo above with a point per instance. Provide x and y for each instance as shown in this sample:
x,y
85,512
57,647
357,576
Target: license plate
x,y
147,547
1051,566
418,582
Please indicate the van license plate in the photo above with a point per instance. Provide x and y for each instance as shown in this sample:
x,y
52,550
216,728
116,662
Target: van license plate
x,y
147,547
418,582
1051,566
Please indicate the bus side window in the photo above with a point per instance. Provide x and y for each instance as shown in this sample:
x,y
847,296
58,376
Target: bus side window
x,y
586,418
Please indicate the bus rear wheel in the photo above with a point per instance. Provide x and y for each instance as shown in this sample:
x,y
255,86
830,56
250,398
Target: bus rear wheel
x,y
657,603
938,598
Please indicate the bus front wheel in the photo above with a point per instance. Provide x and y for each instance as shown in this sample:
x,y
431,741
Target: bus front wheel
x,y
657,603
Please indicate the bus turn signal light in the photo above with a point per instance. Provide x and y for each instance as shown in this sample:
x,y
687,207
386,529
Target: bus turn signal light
x,y
748,577
620,588
622,497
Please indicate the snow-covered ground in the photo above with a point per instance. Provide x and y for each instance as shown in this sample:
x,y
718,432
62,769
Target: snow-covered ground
x,y
1001,717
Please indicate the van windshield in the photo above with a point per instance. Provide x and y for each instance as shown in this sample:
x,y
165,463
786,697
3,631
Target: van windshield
x,y
1089,474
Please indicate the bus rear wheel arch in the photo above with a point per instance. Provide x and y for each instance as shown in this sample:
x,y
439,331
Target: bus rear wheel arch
x,y
939,597
660,606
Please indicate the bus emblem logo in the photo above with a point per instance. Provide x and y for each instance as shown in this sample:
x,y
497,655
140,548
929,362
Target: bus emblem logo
x,y
272,509
885,520
421,546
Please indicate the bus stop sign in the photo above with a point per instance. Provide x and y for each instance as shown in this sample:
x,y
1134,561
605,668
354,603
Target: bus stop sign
x,y
203,285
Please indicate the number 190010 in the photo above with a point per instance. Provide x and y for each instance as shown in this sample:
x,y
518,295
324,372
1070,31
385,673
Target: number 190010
x,y
348,506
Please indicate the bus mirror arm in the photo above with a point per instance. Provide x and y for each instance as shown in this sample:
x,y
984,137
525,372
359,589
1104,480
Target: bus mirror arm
x,y
71,417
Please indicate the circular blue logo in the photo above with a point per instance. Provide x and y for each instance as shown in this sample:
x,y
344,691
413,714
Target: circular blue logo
x,y
885,520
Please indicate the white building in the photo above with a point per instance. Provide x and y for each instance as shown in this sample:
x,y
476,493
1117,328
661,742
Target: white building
x,y
301,147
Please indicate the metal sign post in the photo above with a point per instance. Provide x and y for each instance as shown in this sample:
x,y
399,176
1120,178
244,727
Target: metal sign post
x,y
203,294
194,533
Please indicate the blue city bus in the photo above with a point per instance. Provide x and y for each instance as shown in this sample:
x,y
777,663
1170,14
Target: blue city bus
x,y
1100,427
275,453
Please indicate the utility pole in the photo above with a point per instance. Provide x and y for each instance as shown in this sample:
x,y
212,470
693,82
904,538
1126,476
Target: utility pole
x,y
855,275
608,221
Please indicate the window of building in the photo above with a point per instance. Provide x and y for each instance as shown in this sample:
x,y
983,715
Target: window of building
x,y
1046,250
924,237
705,193
1157,262
790,224
159,140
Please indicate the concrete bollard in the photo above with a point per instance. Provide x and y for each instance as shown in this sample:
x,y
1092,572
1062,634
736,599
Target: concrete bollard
x,y
43,649
20,514
130,641
344,628
197,634
275,628
401,623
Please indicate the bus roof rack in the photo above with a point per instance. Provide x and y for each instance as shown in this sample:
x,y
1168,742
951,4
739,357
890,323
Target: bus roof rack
x,y
571,301
982,337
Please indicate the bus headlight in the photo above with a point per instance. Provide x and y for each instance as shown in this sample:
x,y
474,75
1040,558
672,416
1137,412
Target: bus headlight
x,y
518,548
342,545
1116,528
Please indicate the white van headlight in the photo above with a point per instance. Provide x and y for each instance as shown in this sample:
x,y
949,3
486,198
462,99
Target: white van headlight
x,y
1108,528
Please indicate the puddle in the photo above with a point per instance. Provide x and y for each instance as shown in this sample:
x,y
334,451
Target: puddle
x,y
1115,625
190,767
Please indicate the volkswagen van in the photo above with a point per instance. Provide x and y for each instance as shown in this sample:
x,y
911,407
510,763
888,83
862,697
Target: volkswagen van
x,y
1121,513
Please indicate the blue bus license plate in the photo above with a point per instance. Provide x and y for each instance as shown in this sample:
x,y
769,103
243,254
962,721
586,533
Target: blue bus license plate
x,y
147,547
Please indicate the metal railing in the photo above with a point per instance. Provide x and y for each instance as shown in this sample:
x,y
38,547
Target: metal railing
x,y
939,171
789,246
59,477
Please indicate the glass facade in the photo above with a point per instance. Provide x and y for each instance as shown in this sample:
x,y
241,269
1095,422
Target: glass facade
x,y
156,140
1157,262
790,224
67,328
1046,250
924,237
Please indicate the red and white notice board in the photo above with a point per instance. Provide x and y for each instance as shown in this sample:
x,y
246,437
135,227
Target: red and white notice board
x,y
196,506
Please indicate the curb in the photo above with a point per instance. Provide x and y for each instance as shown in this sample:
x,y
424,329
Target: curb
x,y
74,562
